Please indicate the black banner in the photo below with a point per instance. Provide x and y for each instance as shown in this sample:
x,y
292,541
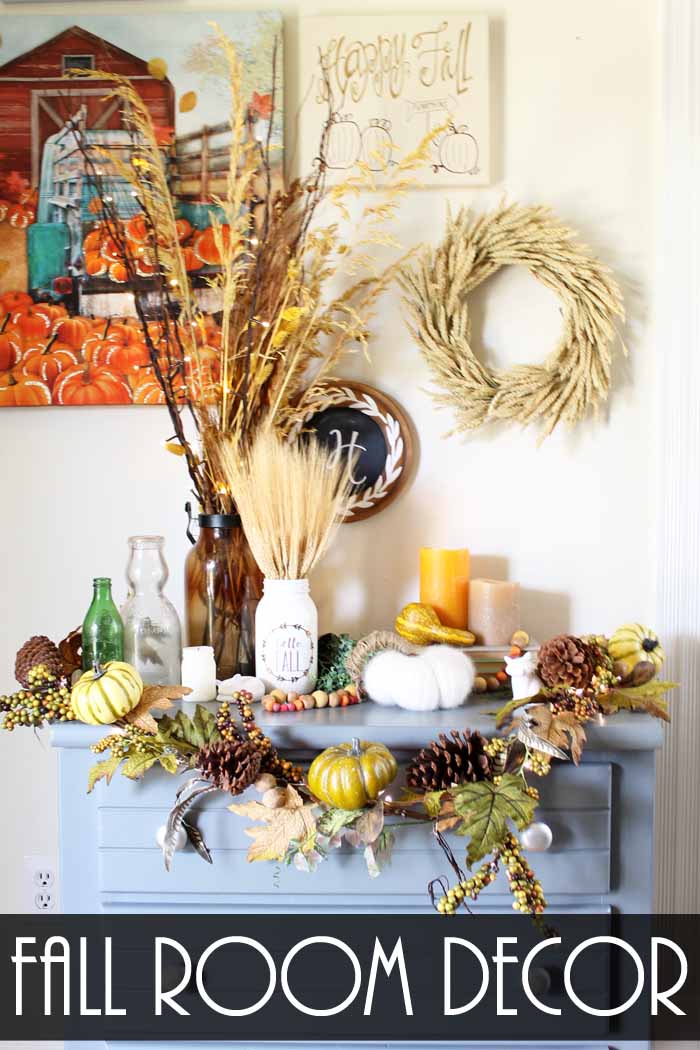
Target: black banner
x,y
330,978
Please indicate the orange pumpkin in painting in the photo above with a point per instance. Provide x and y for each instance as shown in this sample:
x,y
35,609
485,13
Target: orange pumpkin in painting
x,y
137,229
73,331
119,273
10,351
20,216
191,259
184,229
47,364
129,358
32,322
52,312
206,247
23,391
92,241
91,385
109,249
149,392
10,302
95,265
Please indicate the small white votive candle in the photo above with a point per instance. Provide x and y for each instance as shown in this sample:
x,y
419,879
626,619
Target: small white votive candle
x,y
199,673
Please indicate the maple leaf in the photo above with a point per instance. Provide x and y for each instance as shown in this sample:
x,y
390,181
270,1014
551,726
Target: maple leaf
x,y
293,822
561,729
15,184
648,697
487,809
262,105
154,698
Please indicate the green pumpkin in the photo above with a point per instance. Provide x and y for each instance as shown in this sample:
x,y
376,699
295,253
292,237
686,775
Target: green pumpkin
x,y
350,776
107,693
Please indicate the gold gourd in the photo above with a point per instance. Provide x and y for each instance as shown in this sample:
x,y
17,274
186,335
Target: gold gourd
x,y
420,624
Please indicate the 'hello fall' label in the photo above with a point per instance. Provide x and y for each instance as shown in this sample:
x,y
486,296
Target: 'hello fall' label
x,y
288,652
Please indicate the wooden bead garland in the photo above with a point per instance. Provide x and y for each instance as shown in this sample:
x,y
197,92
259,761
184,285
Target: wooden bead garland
x,y
278,702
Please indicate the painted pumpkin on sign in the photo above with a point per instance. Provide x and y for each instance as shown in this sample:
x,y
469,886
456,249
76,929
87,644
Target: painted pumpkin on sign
x,y
377,145
459,151
343,143
351,775
107,693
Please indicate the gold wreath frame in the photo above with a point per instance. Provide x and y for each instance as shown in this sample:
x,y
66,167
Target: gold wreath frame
x,y
574,379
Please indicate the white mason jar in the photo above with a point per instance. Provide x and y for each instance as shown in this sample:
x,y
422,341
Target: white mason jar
x,y
286,636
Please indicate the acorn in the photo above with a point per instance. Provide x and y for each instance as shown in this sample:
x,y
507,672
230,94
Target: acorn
x,y
264,783
480,685
521,639
275,798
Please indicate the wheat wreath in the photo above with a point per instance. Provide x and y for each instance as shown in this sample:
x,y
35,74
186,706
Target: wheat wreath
x,y
573,379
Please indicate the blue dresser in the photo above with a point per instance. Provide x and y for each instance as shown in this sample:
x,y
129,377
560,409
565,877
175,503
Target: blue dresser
x,y
601,816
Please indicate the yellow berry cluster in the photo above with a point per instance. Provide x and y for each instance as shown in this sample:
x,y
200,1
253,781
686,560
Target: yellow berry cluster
x,y
539,763
272,762
525,887
468,889
46,699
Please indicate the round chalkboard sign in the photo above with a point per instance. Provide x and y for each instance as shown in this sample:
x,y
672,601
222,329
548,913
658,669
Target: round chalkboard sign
x,y
366,425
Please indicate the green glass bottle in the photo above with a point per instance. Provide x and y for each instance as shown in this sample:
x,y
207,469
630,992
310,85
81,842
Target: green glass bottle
x,y
103,631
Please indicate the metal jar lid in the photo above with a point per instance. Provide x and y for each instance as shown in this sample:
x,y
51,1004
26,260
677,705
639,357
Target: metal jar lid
x,y
219,521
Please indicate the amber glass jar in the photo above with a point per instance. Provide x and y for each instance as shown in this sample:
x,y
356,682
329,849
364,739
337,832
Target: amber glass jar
x,y
223,586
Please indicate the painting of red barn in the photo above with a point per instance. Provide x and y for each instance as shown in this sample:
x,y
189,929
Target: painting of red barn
x,y
63,301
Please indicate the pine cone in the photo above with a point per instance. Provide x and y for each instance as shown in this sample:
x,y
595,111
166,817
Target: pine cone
x,y
457,759
230,765
38,650
566,661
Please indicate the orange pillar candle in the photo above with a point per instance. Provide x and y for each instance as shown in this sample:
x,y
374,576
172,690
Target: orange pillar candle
x,y
494,611
444,584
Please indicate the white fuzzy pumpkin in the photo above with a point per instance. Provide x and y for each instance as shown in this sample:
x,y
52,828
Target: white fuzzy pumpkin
x,y
437,676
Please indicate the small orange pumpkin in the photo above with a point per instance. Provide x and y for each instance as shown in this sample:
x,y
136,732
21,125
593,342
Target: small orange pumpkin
x,y
23,391
206,247
73,331
184,229
95,265
124,358
149,392
119,273
32,322
92,241
10,351
11,302
137,229
91,385
47,364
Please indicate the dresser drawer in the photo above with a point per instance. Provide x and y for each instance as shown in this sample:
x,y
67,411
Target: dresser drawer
x,y
576,803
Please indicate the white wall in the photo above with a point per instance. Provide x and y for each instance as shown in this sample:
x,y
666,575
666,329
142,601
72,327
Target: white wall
x,y
575,113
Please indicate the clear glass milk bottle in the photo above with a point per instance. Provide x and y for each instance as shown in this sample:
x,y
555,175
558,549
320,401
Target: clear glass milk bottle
x,y
152,635
286,636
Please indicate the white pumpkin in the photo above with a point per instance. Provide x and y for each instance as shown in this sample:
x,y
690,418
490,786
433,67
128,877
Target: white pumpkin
x,y
438,676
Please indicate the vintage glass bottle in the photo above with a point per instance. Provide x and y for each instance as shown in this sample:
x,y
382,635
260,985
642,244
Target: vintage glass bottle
x,y
103,631
222,589
152,635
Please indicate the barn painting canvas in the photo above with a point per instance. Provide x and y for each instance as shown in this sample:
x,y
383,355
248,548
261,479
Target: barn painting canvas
x,y
56,263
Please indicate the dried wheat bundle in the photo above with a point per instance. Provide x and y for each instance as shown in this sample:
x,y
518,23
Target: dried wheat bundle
x,y
282,328
575,377
291,499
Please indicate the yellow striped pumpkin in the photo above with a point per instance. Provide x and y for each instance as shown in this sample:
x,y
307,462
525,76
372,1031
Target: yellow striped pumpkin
x,y
103,695
351,775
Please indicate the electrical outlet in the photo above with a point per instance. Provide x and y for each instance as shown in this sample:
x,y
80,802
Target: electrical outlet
x,y
41,883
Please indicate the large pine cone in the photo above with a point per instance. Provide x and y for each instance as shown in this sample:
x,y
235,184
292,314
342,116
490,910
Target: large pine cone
x,y
459,758
567,661
230,765
38,650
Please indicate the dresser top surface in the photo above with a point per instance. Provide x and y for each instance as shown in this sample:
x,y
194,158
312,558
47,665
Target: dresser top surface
x,y
314,730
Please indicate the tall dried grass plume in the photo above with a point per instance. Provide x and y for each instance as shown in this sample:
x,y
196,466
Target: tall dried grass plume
x,y
291,499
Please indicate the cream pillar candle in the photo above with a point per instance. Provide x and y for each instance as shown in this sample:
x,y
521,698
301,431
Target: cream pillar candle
x,y
199,673
494,610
